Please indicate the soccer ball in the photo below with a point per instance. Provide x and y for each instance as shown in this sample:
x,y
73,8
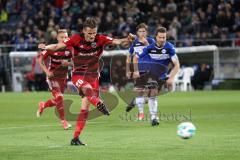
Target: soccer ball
x,y
186,130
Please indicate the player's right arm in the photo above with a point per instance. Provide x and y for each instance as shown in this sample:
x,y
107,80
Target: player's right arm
x,y
128,61
71,42
136,73
52,47
40,60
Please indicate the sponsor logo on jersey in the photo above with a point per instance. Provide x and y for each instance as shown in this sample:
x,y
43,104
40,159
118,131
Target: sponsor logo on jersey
x,y
159,56
153,51
138,49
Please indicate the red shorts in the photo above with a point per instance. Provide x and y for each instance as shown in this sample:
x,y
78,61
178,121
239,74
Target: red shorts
x,y
80,81
56,85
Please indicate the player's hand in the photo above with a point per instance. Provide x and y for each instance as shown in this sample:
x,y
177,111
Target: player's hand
x,y
169,83
145,41
41,46
65,63
49,74
128,75
136,74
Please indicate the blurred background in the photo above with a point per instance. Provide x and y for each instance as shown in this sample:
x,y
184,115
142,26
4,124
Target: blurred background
x,y
205,32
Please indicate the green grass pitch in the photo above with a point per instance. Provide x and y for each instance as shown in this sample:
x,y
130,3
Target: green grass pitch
x,y
216,114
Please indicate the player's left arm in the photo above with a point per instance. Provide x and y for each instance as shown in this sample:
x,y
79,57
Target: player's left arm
x,y
174,71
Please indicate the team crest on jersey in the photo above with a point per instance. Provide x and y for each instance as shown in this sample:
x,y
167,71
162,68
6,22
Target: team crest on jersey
x,y
67,53
94,44
164,51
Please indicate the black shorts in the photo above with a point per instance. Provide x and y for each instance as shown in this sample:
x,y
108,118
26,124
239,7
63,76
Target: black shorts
x,y
146,80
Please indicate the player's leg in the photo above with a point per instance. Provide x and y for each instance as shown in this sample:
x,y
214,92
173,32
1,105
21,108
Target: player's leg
x,y
90,90
42,105
81,121
57,92
140,101
95,93
49,103
152,102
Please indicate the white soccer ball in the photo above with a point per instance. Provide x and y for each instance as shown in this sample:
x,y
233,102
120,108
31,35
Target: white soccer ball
x,y
186,130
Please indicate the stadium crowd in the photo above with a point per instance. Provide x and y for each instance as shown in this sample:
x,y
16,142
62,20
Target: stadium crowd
x,y
190,22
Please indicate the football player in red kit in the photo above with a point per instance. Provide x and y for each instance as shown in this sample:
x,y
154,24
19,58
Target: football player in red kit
x,y
56,77
87,49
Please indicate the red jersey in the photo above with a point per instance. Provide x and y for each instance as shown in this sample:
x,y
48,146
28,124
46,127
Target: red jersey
x,y
86,55
55,62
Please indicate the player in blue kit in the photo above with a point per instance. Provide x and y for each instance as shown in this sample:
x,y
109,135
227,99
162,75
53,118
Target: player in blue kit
x,y
137,46
155,60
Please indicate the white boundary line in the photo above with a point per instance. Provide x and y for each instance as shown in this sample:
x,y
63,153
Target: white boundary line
x,y
39,126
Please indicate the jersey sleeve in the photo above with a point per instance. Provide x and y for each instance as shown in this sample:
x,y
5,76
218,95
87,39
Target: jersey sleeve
x,y
45,54
173,54
151,40
105,40
72,41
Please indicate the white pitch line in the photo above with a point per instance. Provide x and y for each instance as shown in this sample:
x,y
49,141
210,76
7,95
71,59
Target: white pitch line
x,y
23,127
39,126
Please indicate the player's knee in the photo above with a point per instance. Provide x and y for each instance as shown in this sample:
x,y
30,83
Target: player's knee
x,y
153,92
87,90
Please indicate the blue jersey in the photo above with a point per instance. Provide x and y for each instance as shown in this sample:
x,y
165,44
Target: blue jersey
x,y
137,47
156,59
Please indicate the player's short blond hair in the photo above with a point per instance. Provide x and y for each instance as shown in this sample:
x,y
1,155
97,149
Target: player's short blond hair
x,y
61,31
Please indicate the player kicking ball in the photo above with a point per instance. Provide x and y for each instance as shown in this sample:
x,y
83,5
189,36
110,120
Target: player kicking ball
x,y
87,50
137,46
153,70
56,77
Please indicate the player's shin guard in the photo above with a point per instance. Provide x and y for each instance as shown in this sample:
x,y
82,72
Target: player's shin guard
x,y
153,107
81,121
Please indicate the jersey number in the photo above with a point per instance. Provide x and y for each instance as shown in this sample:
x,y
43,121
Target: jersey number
x,y
79,83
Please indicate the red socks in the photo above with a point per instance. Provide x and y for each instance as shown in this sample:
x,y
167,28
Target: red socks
x,y
93,100
82,118
49,103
